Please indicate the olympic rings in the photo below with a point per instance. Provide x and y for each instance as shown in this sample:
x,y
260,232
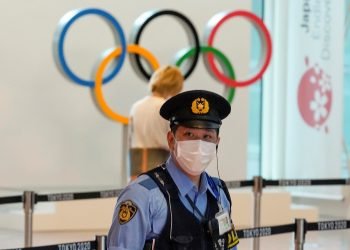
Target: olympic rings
x,y
66,21
99,75
216,21
225,63
227,77
211,29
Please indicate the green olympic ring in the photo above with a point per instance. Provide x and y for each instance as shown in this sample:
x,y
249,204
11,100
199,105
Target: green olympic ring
x,y
223,61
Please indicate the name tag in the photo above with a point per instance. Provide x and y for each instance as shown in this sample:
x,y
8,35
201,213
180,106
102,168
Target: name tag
x,y
224,222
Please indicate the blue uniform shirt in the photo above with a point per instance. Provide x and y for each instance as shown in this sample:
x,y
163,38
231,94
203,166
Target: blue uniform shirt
x,y
151,208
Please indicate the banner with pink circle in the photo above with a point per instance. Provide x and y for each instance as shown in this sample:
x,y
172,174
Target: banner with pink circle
x,y
314,89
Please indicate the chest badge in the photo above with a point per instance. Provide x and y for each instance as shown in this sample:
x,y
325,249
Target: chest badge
x,y
127,211
200,106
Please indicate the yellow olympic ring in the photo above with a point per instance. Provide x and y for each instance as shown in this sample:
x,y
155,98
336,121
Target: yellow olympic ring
x,y
99,79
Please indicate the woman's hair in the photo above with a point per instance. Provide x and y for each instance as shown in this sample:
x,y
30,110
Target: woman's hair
x,y
166,81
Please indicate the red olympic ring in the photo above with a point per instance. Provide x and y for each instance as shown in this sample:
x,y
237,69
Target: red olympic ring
x,y
266,48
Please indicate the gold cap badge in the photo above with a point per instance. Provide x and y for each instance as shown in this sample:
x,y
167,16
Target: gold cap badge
x,y
200,106
127,211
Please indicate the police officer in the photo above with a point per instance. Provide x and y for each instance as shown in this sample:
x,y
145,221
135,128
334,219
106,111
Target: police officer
x,y
178,205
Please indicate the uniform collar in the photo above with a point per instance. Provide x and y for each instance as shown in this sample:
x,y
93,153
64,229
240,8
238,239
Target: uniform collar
x,y
183,182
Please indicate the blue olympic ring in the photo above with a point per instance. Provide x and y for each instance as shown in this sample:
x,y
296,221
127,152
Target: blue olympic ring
x,y
66,21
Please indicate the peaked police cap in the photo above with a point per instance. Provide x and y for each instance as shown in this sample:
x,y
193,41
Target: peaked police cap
x,y
196,109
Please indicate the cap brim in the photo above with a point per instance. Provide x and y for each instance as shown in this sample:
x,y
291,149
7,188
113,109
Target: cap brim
x,y
197,124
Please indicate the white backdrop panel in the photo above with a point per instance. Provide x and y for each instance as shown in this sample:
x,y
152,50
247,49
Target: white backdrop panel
x,y
51,132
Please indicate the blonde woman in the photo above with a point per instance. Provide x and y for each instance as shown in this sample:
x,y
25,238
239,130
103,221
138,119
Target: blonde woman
x,y
148,146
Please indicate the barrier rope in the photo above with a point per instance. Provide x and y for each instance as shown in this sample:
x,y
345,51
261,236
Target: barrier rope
x,y
84,245
78,196
10,199
256,232
265,231
328,225
229,184
305,182
239,184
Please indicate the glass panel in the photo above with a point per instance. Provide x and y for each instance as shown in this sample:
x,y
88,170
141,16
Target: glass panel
x,y
346,160
254,132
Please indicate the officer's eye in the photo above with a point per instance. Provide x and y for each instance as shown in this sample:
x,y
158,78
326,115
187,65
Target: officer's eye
x,y
207,137
189,134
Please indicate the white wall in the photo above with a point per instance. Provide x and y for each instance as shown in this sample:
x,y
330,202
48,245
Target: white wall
x,y
52,134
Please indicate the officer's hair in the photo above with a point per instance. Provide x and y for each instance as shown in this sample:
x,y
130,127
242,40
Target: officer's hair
x,y
173,128
166,81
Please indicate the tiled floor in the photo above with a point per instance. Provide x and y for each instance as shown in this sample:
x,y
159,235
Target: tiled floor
x,y
326,240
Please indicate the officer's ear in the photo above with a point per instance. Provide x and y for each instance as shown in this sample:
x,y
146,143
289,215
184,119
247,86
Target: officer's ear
x,y
217,143
171,140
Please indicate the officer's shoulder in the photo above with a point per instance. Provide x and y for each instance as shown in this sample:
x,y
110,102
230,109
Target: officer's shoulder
x,y
146,182
141,192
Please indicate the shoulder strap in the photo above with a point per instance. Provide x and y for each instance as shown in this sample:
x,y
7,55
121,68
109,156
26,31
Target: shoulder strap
x,y
165,183
220,184
227,193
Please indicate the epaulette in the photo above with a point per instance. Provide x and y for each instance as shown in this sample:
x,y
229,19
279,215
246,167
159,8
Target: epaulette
x,y
148,184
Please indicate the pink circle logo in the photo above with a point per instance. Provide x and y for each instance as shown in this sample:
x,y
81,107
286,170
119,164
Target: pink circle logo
x,y
315,96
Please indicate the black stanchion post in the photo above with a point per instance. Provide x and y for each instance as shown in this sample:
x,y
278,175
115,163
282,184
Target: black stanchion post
x,y
300,231
28,206
257,189
101,241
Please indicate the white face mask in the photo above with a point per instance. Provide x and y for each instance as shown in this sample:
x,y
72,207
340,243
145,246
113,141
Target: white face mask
x,y
194,156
